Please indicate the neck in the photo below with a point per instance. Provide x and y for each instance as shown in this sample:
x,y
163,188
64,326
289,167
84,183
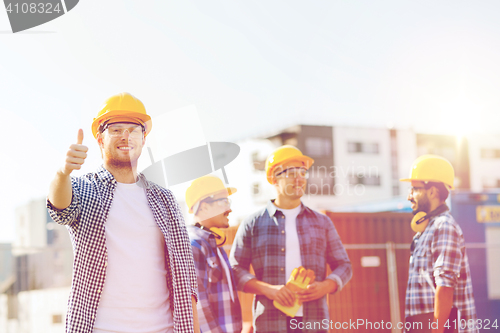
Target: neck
x,y
123,174
205,223
435,205
285,202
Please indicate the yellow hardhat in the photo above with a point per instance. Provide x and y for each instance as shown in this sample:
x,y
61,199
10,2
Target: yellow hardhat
x,y
204,187
283,155
432,168
122,107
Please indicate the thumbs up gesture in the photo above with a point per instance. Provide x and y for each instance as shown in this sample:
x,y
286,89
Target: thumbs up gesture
x,y
76,155
298,281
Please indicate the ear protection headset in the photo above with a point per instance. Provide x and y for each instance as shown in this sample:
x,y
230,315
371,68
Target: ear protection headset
x,y
421,219
220,236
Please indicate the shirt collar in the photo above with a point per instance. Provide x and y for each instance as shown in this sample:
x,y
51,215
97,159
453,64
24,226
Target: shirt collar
x,y
107,178
204,234
272,209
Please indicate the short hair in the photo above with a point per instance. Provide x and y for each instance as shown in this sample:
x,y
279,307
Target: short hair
x,y
442,189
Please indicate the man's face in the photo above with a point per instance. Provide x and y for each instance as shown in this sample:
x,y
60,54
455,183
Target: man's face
x,y
418,198
121,144
217,209
290,179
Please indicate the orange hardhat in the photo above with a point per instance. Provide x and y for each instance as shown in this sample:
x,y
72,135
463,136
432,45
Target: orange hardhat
x,y
122,108
432,168
283,155
204,187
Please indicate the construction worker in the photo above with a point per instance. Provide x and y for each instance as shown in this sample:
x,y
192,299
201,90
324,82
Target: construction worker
x,y
439,282
133,269
281,237
218,306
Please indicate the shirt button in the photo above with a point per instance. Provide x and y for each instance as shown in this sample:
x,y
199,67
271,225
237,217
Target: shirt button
x,y
98,291
282,231
282,269
282,249
106,264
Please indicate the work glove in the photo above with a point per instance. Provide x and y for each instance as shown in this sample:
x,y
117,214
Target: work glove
x,y
299,280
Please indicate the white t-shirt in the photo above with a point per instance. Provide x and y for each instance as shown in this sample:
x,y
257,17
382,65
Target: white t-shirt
x,y
135,296
292,245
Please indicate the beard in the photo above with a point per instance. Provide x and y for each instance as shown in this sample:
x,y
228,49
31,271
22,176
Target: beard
x,y
423,205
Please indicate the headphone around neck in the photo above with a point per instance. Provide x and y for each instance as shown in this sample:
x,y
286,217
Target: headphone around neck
x,y
220,236
421,219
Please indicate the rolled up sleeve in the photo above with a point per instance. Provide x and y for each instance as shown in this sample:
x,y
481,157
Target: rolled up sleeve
x,y
240,256
447,255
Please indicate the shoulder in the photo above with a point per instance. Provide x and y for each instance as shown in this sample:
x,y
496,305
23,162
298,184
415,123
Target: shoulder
x,y
446,222
256,217
314,217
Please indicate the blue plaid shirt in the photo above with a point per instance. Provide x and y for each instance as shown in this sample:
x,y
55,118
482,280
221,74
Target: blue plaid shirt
x,y
440,253
216,311
260,241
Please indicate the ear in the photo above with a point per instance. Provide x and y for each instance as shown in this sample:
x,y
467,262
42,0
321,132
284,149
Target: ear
x,y
99,139
434,192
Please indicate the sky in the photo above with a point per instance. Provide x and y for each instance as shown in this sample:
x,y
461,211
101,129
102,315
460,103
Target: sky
x,y
247,69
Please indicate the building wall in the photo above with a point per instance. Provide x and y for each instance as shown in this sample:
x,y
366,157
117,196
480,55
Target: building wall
x,y
484,151
31,229
43,311
363,164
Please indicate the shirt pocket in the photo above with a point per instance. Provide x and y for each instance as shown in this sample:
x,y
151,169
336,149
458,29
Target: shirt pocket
x,y
422,264
214,270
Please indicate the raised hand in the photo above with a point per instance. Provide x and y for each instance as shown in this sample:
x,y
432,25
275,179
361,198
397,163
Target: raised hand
x,y
75,156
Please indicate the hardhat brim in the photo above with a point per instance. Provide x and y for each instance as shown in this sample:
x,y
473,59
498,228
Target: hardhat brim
x,y
143,118
426,180
230,191
304,159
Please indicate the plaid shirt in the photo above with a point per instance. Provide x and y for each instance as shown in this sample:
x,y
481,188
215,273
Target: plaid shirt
x,y
260,241
85,219
216,311
440,253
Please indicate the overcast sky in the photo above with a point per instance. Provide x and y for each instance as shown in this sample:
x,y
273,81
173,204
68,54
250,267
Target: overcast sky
x,y
249,69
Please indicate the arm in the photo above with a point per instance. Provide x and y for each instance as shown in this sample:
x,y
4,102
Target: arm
x,y
447,257
241,258
275,293
60,191
207,320
443,301
196,324
337,259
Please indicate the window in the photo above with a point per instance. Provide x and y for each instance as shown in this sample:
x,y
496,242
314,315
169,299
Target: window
x,y
369,180
318,147
490,153
256,189
360,147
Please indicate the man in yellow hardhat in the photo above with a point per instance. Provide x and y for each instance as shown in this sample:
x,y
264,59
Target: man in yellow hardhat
x,y
133,269
439,283
218,306
284,236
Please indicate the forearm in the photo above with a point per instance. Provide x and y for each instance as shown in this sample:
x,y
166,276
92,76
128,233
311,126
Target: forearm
x,y
195,316
257,287
443,302
60,191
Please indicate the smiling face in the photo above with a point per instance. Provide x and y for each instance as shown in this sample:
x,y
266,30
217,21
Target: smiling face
x,y
418,197
121,144
292,187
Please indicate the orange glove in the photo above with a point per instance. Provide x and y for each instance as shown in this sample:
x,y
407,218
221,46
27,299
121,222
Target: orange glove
x,y
299,280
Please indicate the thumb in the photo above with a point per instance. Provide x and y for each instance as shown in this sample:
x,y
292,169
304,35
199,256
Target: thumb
x,y
80,137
